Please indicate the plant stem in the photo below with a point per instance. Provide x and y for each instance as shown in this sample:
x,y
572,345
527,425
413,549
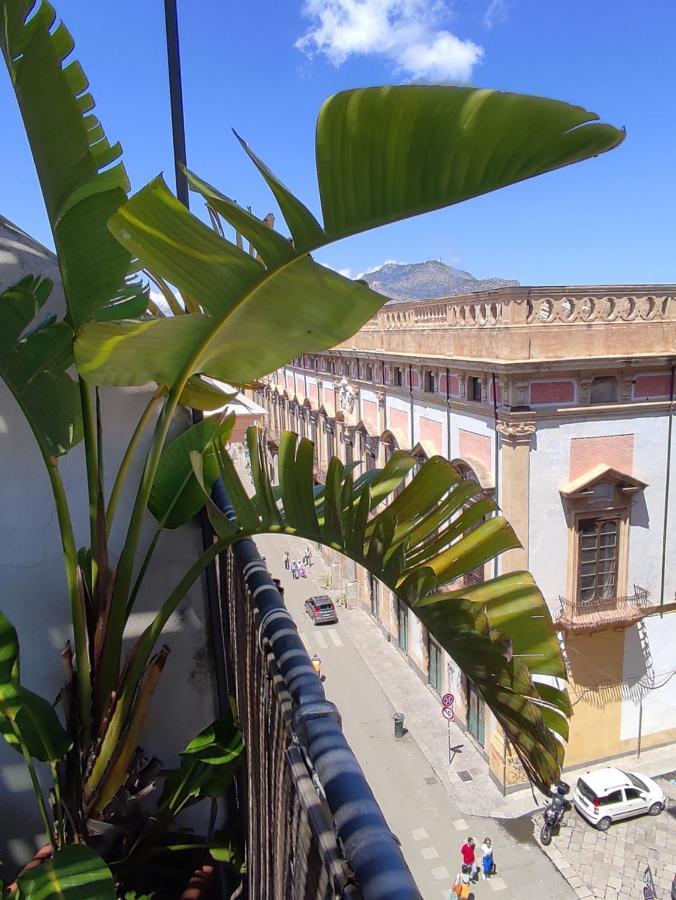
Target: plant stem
x,y
110,659
60,820
123,470
147,640
37,790
91,444
144,566
77,610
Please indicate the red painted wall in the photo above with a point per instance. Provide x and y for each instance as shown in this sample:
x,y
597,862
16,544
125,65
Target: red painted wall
x,y
615,450
647,386
552,392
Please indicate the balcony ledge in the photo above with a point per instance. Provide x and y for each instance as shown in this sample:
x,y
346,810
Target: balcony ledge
x,y
600,615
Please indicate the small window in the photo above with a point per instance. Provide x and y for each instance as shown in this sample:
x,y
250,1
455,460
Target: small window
x,y
474,389
398,376
603,390
633,794
368,373
431,382
613,797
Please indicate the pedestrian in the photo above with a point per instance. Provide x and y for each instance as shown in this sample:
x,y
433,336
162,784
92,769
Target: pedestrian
x,y
287,560
461,883
317,664
486,858
301,572
469,857
308,556
294,570
673,888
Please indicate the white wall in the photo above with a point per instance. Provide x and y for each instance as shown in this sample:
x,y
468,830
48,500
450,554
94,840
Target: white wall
x,y
549,470
650,682
649,655
32,582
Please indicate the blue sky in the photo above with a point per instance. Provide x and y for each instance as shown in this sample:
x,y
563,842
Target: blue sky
x,y
607,220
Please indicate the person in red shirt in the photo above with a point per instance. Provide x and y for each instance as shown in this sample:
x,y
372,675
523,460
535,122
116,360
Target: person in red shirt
x,y
468,857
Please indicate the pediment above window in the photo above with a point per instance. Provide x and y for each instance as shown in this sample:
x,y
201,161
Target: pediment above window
x,y
600,484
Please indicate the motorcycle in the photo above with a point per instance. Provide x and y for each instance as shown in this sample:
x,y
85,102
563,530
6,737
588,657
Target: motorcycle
x,y
555,811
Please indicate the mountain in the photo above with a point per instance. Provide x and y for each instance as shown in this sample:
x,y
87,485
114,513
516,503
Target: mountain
x,y
428,280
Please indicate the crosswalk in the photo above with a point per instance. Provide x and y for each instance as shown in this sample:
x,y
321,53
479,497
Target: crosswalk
x,y
319,637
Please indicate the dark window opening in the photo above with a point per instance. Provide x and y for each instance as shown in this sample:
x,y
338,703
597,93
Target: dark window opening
x,y
431,382
435,669
398,376
603,390
474,389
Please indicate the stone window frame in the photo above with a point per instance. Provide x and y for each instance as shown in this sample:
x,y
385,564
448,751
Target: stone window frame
x,y
582,508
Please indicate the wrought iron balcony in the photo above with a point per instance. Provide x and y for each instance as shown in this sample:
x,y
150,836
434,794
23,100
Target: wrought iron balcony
x,y
597,615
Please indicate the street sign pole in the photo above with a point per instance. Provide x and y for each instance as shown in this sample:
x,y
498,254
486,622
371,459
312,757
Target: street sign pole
x,y
449,741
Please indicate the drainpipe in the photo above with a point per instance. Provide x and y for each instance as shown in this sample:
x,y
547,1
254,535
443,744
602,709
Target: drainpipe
x,y
178,135
448,414
496,456
667,481
410,394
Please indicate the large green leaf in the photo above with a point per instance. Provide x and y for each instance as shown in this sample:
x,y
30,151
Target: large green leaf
x,y
176,496
207,767
25,718
431,147
499,632
253,318
73,158
387,153
33,364
74,873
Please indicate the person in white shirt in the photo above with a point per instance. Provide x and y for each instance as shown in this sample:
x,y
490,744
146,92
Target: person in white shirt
x,y
486,858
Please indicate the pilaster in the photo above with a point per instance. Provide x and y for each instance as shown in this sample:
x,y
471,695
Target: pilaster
x,y
516,437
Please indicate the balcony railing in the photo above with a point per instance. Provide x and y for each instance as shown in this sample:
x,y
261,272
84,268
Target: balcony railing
x,y
596,615
314,829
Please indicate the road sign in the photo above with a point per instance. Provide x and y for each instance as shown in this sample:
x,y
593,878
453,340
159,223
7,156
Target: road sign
x,y
447,713
447,700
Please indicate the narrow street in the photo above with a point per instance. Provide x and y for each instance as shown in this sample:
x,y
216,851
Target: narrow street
x,y
417,805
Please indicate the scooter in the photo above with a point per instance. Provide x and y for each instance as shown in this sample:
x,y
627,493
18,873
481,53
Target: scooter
x,y
554,811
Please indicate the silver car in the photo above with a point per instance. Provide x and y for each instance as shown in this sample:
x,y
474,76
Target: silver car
x,y
321,610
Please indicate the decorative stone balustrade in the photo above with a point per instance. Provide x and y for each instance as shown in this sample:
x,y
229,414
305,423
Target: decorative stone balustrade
x,y
529,306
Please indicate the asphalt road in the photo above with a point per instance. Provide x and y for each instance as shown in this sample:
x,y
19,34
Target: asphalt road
x,y
417,806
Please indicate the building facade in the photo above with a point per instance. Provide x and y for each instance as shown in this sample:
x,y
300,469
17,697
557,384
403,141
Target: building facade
x,y
559,402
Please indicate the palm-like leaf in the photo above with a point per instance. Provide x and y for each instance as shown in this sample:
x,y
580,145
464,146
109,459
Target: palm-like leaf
x,y
26,719
74,873
431,147
439,528
33,363
74,161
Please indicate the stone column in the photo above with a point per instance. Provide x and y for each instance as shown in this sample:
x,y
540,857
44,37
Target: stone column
x,y
516,434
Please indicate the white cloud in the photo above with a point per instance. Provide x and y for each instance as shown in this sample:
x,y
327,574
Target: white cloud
x,y
496,13
408,33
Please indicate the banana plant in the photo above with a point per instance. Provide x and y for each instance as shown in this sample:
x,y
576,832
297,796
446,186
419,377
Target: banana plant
x,y
382,154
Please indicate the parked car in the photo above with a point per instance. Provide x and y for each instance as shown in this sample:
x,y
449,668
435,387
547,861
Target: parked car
x,y
321,610
606,795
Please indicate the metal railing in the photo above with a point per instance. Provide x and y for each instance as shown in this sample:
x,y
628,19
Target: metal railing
x,y
314,827
577,615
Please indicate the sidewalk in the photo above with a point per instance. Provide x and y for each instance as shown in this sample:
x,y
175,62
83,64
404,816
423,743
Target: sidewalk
x,y
479,796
